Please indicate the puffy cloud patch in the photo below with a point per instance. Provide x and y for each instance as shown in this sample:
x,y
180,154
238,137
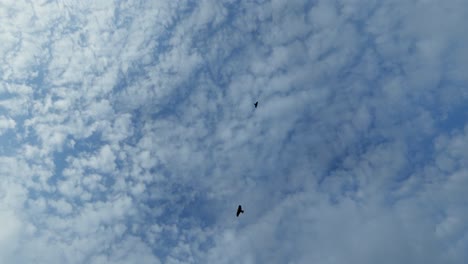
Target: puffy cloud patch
x,y
130,134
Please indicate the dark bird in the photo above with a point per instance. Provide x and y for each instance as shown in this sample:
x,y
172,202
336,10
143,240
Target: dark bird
x,y
239,211
256,103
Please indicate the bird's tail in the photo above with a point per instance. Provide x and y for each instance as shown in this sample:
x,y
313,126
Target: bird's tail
x,y
242,211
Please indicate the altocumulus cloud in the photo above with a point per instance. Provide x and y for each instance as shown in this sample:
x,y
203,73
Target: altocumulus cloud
x,y
129,133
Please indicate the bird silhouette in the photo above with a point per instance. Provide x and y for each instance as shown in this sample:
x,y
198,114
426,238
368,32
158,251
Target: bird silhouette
x,y
256,103
239,211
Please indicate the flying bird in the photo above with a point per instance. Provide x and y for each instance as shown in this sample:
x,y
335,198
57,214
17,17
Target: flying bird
x,y
239,211
256,103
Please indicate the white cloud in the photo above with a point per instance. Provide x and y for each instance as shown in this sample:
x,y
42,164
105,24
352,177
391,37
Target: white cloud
x,y
135,136
6,123
10,231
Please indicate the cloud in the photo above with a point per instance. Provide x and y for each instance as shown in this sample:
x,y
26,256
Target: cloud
x,y
6,123
129,132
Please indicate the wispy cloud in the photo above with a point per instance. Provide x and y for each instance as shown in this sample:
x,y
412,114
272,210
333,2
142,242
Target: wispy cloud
x,y
129,133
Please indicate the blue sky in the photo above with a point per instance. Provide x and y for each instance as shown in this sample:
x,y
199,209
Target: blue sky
x,y
128,132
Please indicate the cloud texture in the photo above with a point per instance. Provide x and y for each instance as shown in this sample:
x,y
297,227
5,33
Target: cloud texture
x,y
129,133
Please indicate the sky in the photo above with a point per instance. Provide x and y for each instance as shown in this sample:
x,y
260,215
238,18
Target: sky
x,y
128,132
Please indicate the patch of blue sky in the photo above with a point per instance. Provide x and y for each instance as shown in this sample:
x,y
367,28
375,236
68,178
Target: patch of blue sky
x,y
10,142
